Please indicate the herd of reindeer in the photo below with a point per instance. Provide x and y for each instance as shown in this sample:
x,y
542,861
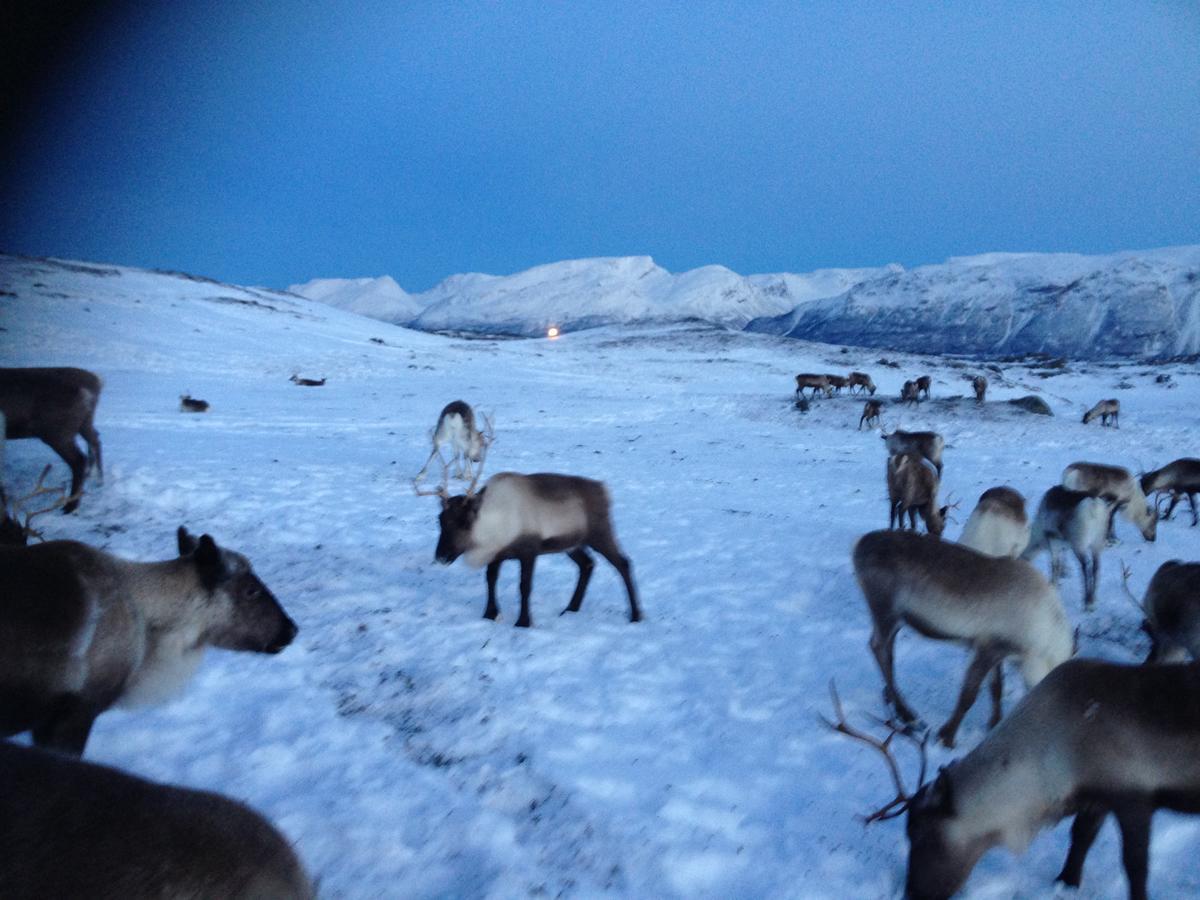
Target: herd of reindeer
x,y
82,630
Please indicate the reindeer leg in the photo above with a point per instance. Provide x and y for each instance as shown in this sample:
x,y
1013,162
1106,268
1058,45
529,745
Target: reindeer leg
x,y
986,657
1083,833
493,573
1134,819
527,563
1089,579
606,545
67,728
89,434
584,560
425,468
997,695
74,458
883,646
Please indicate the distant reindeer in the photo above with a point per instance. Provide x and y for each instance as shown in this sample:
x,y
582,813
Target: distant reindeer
x,y
74,829
924,382
912,483
870,414
862,381
1100,480
1105,409
523,516
468,445
1077,520
55,405
1179,478
929,444
997,606
909,393
307,382
998,525
1171,610
980,385
837,382
188,403
1092,738
815,382
82,630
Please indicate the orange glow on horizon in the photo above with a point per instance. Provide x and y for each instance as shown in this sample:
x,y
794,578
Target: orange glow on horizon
x,y
552,332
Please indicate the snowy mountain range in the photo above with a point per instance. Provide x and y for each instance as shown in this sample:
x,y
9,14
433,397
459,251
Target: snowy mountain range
x,y
1135,304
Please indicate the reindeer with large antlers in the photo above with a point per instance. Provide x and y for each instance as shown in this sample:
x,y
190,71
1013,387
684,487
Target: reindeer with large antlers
x,y
456,429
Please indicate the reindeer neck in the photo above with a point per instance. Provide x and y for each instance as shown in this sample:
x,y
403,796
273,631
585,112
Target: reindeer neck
x,y
163,591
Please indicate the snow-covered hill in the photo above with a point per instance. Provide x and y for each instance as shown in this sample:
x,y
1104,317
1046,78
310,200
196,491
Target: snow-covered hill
x,y
1134,305
410,748
379,298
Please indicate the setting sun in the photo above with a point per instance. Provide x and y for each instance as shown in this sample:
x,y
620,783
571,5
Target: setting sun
x,y
552,332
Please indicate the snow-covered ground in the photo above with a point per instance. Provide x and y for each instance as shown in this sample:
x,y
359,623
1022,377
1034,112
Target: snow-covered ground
x,y
411,748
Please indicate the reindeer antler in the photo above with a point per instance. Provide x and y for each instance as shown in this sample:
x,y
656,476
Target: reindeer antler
x,y
19,504
1125,573
900,803
441,490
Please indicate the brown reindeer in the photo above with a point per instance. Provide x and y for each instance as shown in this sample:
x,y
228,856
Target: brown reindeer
x,y
1105,410
1090,739
188,403
1075,519
307,382
523,516
1172,612
980,385
872,409
1178,479
929,444
998,525
815,382
909,393
997,606
1116,482
81,630
837,382
55,405
862,381
73,829
468,444
924,382
912,483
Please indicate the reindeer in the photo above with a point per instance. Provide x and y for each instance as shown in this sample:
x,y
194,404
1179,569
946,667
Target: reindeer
x,y
188,403
997,525
55,405
870,414
862,381
924,382
816,382
1172,612
523,516
307,382
74,829
997,606
1100,480
980,385
909,393
1079,520
1178,478
1092,738
82,630
456,428
837,382
1105,409
929,444
913,483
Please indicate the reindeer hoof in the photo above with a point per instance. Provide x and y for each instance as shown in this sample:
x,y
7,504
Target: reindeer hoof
x,y
946,739
523,623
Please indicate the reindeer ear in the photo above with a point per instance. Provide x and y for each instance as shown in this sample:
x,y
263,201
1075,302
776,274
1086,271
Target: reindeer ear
x,y
208,562
187,543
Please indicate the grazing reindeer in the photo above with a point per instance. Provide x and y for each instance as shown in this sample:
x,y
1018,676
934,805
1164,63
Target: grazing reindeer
x,y
980,385
870,414
997,606
862,381
74,829
1105,409
929,444
909,394
998,525
82,630
523,516
913,483
1101,480
816,382
306,382
837,382
1092,738
456,428
55,405
1079,520
1172,612
1178,478
924,382
188,403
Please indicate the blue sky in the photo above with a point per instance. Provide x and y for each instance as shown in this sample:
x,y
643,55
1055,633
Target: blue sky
x,y
270,143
